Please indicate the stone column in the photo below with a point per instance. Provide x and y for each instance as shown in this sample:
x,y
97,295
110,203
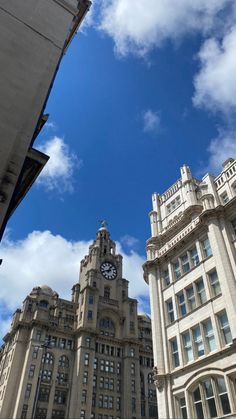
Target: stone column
x,y
158,349
224,270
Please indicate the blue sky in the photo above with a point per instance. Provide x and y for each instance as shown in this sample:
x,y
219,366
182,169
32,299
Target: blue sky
x,y
139,93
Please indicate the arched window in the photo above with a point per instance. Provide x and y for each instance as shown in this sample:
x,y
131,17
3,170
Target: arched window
x,y
64,361
48,358
107,327
107,292
210,398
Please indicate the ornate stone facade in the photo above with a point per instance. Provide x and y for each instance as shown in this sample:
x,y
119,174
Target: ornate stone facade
x,y
90,357
191,271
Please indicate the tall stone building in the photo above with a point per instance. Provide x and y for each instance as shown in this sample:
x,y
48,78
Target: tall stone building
x,y
90,357
34,35
191,271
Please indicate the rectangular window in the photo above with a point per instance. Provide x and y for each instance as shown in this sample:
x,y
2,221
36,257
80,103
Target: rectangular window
x,y
90,315
87,342
185,263
28,391
175,353
107,364
62,343
112,366
224,198
177,271
35,352
94,381
84,396
85,377
46,376
118,403
90,300
102,365
225,329
86,359
133,386
82,414
118,385
183,408
110,402
166,277
133,405
191,298
201,291
60,396
194,256
182,305
131,326
44,393
206,248
111,384
31,371
198,341
223,396
95,364
38,335
106,383
209,336
210,398
170,310
214,282
24,411
188,350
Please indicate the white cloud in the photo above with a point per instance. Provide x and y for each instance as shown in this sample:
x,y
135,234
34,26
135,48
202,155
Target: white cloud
x,y
151,121
129,241
137,26
58,172
215,84
50,125
44,258
220,149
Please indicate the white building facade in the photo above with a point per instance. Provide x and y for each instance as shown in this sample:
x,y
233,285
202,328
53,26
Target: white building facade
x,y
191,272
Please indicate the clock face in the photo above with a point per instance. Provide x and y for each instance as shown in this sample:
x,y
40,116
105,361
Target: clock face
x,y
108,270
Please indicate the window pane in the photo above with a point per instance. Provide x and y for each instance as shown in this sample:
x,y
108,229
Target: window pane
x,y
177,271
215,285
185,263
198,341
191,298
166,277
182,306
188,347
226,333
225,404
209,335
201,291
194,256
207,248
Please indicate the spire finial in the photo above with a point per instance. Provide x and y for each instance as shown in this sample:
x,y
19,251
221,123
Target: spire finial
x,y
103,223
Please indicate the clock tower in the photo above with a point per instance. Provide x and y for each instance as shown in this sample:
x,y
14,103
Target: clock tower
x,y
107,333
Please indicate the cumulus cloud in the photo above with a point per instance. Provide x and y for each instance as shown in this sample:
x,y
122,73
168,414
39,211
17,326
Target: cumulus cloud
x,y
129,241
215,84
220,149
137,26
44,258
151,121
58,174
